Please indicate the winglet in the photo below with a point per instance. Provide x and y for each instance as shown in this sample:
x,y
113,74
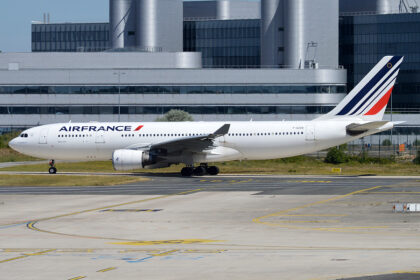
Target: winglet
x,y
221,131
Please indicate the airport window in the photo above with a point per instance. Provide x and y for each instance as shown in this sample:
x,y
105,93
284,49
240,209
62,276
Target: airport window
x,y
225,89
158,110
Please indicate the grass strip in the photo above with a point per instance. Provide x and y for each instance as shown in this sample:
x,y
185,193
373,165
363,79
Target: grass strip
x,y
8,155
293,166
66,180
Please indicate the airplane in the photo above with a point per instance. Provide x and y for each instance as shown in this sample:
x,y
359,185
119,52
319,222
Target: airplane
x,y
152,145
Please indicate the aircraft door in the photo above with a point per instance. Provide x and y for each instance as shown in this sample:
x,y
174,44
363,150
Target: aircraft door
x,y
100,138
310,133
43,136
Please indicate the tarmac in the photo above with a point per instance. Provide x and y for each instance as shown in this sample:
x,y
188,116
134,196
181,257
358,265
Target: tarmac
x,y
224,227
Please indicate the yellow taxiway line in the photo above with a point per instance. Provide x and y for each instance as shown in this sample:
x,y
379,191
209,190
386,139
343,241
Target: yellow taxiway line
x,y
284,213
27,255
107,269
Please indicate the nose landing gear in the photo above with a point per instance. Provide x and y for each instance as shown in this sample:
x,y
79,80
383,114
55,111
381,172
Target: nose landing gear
x,y
52,169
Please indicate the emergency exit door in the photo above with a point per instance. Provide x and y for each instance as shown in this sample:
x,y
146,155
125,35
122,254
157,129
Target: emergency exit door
x,y
43,136
310,133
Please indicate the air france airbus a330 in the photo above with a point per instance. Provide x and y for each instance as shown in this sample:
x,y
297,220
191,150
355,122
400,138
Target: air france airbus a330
x,y
133,146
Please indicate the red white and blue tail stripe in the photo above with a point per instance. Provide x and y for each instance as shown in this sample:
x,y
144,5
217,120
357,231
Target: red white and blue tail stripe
x,y
369,99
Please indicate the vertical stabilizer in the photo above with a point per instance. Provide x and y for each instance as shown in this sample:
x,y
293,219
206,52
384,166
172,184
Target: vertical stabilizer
x,y
369,99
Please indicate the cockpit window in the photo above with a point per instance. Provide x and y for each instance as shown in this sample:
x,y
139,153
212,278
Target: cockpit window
x,y
24,135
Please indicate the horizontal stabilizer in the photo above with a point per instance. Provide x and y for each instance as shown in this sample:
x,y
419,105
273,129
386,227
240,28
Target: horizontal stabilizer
x,y
357,128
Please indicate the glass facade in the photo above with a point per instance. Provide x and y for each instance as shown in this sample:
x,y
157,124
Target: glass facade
x,y
364,40
157,110
224,43
180,89
70,37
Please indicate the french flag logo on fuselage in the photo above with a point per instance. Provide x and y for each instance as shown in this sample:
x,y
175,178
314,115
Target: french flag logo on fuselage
x,y
370,97
139,127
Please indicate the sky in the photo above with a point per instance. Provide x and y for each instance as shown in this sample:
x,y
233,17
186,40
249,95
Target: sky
x,y
16,17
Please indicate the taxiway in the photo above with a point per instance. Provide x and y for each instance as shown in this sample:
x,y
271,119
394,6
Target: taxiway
x,y
227,227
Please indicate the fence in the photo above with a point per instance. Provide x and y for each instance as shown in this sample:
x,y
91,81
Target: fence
x,y
383,146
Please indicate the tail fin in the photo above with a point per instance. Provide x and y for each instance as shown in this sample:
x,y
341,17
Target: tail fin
x,y
368,100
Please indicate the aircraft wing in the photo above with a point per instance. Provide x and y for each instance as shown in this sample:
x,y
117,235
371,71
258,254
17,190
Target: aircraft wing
x,y
190,144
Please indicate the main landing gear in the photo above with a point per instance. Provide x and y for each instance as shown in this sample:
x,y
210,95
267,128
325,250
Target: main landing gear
x,y
52,169
201,170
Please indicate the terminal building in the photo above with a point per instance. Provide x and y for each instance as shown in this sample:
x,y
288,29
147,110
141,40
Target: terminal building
x,y
217,60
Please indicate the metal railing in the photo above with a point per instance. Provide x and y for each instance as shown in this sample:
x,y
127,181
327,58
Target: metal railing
x,y
372,13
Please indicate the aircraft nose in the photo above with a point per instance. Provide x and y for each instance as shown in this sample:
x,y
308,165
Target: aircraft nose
x,y
13,144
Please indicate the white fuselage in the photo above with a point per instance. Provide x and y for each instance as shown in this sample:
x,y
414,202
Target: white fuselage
x,y
155,145
245,140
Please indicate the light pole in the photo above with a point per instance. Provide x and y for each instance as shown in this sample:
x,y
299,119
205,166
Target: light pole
x,y
392,130
119,73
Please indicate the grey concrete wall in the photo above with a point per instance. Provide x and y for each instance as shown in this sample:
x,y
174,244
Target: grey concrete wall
x,y
175,77
104,60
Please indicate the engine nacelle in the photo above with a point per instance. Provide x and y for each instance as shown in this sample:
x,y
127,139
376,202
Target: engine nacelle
x,y
124,160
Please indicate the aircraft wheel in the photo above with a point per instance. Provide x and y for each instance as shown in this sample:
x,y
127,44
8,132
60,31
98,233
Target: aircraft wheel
x,y
187,171
199,171
213,170
52,170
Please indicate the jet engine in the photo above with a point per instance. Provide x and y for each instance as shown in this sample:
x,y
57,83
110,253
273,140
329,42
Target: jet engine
x,y
124,160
